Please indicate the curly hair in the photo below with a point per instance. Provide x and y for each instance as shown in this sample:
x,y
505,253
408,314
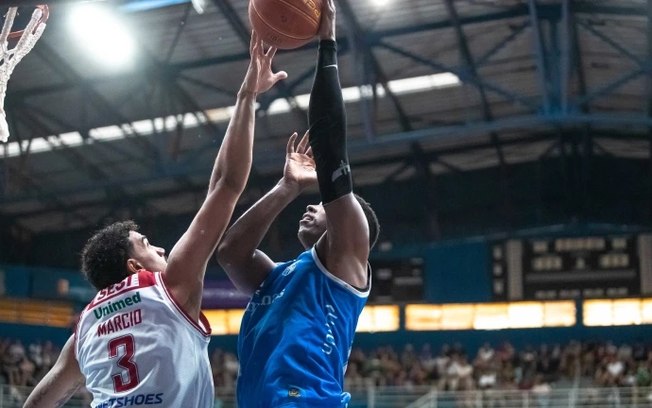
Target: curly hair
x,y
372,220
105,255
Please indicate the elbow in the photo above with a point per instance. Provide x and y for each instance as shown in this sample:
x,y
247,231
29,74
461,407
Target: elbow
x,y
223,249
226,254
234,268
231,180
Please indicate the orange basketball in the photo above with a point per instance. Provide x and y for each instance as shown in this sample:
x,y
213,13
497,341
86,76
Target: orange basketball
x,y
285,24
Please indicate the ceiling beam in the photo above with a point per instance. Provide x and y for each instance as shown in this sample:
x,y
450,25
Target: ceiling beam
x,y
244,34
266,162
540,56
465,77
358,34
69,75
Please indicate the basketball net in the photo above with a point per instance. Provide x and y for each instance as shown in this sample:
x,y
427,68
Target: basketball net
x,y
199,5
9,58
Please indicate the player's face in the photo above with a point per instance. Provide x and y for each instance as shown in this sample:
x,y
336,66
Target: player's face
x,y
312,225
148,256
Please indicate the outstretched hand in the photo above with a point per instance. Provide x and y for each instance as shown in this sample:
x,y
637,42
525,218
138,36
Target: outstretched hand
x,y
259,77
299,162
327,23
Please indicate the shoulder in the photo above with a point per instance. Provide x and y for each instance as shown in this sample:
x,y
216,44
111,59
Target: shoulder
x,y
331,276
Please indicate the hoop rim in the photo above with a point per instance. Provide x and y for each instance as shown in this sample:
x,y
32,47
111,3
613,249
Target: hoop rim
x,y
44,17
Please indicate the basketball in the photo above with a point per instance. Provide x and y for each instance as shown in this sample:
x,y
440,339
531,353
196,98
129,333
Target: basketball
x,y
285,24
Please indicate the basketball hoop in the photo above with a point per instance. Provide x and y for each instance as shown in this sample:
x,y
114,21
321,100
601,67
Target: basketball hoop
x,y
9,58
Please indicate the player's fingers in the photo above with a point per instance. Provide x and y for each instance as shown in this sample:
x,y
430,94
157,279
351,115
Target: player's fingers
x,y
271,52
280,75
309,152
290,146
252,42
303,143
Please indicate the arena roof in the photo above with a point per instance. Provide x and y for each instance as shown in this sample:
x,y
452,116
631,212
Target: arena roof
x,y
432,87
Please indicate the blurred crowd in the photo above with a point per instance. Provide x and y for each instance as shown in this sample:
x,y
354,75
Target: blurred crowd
x,y
23,365
454,368
451,367
490,367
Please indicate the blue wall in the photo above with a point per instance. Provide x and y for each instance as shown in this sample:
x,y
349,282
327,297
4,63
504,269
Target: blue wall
x,y
15,281
28,334
457,272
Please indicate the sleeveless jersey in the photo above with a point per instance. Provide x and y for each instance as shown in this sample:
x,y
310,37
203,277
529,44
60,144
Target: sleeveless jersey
x,y
136,346
296,337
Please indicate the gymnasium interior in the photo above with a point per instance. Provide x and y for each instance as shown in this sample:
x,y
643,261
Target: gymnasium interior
x,y
504,145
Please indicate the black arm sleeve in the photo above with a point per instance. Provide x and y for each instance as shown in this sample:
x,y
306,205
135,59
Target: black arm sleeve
x,y
327,120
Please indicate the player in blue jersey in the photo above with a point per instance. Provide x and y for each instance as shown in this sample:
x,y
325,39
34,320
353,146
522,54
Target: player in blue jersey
x,y
299,325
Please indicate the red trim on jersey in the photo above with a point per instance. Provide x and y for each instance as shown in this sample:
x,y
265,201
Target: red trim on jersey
x,y
145,279
206,330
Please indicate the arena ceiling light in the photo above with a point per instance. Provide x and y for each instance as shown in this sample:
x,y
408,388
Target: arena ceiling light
x,y
379,3
101,34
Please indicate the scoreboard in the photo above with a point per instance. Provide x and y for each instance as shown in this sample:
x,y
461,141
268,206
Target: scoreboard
x,y
397,280
572,267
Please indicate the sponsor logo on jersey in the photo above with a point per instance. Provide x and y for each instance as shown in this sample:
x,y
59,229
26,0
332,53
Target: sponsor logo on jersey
x,y
265,300
294,392
130,282
112,307
138,399
120,322
329,340
289,269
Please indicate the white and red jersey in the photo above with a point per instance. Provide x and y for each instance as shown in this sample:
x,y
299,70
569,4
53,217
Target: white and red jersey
x,y
136,346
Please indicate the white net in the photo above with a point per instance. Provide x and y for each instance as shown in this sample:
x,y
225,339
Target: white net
x,y
199,5
9,58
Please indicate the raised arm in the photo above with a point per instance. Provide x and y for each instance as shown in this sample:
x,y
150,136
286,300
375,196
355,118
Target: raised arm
x,y
238,252
60,383
184,274
345,247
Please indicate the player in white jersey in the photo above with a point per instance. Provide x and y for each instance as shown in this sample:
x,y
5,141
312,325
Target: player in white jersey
x,y
143,340
125,324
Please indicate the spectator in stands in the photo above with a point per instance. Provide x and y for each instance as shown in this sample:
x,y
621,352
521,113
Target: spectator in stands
x,y
460,374
442,361
354,379
485,355
384,367
639,352
541,390
612,369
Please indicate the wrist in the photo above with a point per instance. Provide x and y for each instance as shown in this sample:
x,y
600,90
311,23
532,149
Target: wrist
x,y
326,43
330,36
247,93
289,187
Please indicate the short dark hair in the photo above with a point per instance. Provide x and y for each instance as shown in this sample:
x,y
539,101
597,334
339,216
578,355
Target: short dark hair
x,y
372,220
105,255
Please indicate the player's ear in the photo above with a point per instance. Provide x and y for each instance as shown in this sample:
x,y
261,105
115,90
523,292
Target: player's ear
x,y
133,265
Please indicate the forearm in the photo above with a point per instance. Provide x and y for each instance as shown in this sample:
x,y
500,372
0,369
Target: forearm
x,y
60,383
238,252
233,162
246,234
44,397
327,119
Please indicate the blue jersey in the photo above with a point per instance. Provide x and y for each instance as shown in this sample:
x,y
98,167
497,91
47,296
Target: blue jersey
x,y
296,336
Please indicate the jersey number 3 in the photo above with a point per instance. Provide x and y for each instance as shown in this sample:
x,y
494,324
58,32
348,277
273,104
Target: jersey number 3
x,y
123,348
